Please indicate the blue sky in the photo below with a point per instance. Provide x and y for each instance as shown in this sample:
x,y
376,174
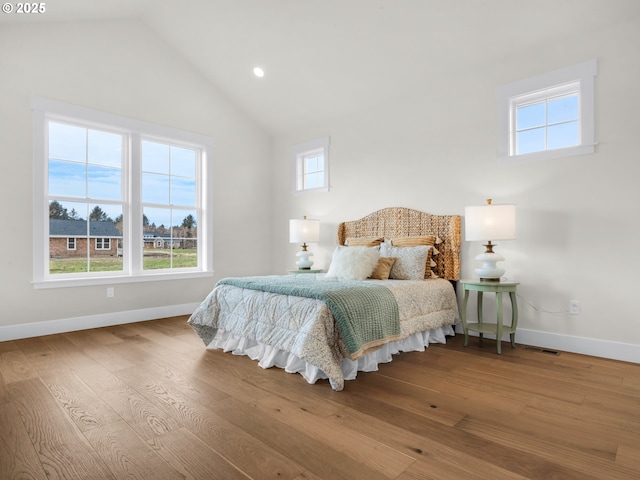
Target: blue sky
x,y
554,122
87,164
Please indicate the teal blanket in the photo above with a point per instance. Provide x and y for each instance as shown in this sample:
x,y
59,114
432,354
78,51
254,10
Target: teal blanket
x,y
366,314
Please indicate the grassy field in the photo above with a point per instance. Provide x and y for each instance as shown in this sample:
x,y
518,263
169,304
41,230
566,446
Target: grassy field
x,y
157,258
154,259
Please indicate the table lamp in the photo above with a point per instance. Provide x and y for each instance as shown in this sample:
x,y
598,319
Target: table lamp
x,y
487,223
304,231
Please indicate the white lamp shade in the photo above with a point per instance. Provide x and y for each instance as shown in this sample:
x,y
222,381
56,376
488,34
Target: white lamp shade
x,y
304,231
490,222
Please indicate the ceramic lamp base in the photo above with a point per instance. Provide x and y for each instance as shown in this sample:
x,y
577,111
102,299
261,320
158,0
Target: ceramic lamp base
x,y
304,263
489,271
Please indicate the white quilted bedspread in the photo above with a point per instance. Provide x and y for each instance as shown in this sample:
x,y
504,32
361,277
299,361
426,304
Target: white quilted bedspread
x,y
305,327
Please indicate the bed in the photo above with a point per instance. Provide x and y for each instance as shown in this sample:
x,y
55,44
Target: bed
x,y
390,288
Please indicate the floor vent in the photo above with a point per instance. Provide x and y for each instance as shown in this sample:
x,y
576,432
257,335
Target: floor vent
x,y
542,350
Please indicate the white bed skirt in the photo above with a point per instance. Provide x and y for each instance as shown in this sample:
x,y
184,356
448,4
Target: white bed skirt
x,y
269,356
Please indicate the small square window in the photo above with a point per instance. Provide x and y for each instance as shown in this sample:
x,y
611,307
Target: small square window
x,y
548,116
548,121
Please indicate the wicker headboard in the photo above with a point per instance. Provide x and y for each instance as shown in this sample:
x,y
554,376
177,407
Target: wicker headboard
x,y
405,222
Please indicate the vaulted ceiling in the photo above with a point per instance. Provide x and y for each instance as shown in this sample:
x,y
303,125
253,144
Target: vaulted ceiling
x,y
326,58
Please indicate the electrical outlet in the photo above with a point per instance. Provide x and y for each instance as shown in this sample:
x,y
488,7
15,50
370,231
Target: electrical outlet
x,y
111,292
574,307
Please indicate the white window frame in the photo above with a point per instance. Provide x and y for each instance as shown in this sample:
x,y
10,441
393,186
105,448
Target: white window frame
x,y
300,152
578,78
70,241
45,109
101,242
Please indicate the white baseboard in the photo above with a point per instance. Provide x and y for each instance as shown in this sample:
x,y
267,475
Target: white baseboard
x,y
50,327
626,352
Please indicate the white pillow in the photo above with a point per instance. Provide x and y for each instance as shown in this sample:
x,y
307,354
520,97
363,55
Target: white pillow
x,y
353,263
411,262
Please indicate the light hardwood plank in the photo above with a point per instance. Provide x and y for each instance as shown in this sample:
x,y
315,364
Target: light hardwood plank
x,y
232,443
369,452
193,458
505,456
417,399
106,335
444,467
9,346
141,414
18,457
324,459
629,456
15,367
83,406
156,365
127,455
102,354
62,450
584,455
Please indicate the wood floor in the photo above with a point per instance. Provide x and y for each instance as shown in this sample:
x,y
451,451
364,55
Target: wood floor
x,y
148,401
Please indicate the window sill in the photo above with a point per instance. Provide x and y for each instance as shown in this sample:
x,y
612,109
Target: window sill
x,y
114,280
311,190
548,154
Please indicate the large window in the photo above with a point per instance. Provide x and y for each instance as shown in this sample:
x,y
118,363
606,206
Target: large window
x,y
548,116
131,195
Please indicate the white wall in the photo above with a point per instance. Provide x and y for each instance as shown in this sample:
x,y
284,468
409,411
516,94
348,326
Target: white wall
x,y
436,150
121,68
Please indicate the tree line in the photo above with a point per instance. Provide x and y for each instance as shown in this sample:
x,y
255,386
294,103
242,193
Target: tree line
x,y
59,212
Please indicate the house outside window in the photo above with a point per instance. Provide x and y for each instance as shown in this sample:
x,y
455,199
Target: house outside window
x,y
108,181
548,116
94,246
311,166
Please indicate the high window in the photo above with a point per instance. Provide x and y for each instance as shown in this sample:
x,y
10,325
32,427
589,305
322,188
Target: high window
x,y
548,116
104,184
311,166
546,120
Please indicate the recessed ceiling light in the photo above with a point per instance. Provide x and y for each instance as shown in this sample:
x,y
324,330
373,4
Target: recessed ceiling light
x,y
258,72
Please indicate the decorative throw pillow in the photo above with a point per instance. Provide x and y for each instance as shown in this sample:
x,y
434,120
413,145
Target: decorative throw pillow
x,y
421,240
413,241
383,269
411,262
353,263
363,241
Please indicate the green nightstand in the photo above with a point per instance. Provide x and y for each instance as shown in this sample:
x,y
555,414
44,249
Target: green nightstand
x,y
494,328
